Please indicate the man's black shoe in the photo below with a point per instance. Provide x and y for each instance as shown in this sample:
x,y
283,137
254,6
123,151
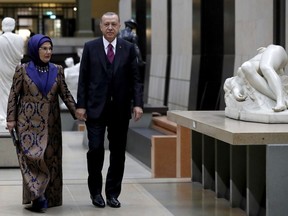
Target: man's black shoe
x,y
98,200
113,202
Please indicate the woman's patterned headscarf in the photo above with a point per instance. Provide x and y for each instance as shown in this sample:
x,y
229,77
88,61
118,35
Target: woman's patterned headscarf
x,y
44,81
34,44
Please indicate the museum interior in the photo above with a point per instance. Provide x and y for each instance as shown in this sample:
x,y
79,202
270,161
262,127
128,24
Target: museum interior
x,y
213,137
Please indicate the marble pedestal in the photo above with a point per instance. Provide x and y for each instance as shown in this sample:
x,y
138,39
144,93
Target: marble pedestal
x,y
261,116
8,157
244,162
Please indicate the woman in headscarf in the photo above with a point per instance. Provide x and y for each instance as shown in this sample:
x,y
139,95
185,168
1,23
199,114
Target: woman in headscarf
x,y
33,110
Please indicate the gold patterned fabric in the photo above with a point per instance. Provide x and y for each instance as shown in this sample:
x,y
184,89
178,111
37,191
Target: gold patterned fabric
x,y
39,129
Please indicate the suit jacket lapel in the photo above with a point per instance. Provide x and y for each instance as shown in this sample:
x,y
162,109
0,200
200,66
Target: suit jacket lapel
x,y
101,53
117,55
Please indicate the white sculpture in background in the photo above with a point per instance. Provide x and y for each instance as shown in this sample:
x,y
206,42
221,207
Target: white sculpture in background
x,y
259,90
69,62
72,74
11,53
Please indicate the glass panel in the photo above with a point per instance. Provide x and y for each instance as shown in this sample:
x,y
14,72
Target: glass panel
x,y
27,26
53,19
52,27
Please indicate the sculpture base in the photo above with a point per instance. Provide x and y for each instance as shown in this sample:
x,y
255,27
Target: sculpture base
x,y
8,156
258,116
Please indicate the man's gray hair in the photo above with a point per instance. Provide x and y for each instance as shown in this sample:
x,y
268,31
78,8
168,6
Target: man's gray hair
x,y
110,14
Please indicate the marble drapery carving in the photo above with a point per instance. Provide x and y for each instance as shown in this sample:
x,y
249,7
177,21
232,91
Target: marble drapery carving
x,y
11,53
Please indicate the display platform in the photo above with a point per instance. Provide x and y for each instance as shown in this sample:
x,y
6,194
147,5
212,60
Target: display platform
x,y
8,157
244,162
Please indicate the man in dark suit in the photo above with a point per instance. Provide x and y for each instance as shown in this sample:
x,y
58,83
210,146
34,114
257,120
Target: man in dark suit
x,y
106,90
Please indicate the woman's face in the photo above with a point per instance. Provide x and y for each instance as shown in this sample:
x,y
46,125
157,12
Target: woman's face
x,y
45,52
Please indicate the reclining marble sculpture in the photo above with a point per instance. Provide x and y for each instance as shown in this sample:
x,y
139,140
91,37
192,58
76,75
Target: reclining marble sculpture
x,y
11,53
258,92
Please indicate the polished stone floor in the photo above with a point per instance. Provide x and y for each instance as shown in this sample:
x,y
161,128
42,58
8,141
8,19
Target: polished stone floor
x,y
141,195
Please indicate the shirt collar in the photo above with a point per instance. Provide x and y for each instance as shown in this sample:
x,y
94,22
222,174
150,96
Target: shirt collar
x,y
106,43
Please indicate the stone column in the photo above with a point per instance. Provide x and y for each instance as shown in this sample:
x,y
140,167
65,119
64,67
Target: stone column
x,y
84,21
125,11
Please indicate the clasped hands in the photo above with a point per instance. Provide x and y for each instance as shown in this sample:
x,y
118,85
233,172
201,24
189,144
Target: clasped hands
x,y
81,114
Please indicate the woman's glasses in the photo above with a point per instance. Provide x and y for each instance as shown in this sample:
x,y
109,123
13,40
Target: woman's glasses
x,y
46,49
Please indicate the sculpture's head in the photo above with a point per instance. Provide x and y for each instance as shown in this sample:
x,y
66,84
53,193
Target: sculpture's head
x,y
8,24
69,62
131,23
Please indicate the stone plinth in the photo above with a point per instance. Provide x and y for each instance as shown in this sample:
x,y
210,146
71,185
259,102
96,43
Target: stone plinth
x,y
8,157
243,162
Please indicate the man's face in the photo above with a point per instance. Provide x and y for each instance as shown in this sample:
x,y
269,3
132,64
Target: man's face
x,y
110,26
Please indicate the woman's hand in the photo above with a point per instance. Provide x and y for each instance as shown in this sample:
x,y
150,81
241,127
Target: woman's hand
x,y
10,125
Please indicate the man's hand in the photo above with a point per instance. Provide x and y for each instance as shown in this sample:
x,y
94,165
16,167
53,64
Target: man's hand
x,y
137,113
81,114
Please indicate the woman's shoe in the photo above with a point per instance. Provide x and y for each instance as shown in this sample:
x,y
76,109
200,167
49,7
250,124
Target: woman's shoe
x,y
39,205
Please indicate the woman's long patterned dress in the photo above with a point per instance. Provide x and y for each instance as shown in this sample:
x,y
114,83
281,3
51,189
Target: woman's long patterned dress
x,y
39,128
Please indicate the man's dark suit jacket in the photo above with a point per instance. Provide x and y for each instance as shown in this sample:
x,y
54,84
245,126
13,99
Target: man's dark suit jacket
x,y
99,84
